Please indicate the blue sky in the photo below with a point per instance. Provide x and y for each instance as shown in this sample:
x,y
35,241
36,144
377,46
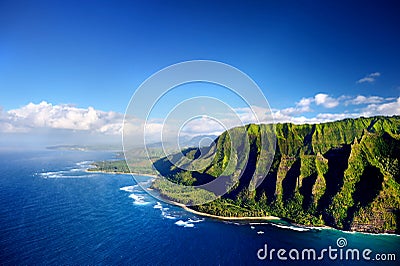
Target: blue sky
x,y
96,53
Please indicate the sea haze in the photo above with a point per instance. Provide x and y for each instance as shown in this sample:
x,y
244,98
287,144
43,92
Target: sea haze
x,y
53,212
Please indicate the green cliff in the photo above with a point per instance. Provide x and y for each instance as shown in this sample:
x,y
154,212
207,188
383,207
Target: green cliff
x,y
344,174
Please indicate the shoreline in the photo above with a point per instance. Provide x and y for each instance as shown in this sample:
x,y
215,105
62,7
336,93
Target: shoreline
x,y
244,218
186,208
225,218
118,173
183,206
271,219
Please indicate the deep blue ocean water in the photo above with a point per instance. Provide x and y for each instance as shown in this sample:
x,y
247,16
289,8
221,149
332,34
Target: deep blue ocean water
x,y
53,212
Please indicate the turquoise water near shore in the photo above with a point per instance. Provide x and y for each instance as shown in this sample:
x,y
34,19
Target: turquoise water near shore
x,y
53,212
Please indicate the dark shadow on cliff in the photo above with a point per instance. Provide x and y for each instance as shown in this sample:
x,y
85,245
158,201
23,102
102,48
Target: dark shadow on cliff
x,y
268,186
168,170
247,174
290,181
366,190
306,190
337,164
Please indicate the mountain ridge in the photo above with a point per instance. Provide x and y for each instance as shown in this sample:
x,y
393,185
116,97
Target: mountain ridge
x,y
343,174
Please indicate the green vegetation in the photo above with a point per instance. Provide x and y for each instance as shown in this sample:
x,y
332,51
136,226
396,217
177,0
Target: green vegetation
x,y
183,194
343,174
119,166
140,162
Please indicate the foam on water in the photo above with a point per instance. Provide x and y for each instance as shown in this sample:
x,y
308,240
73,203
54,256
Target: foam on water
x,y
129,188
164,212
135,194
158,206
184,224
70,172
290,227
189,222
137,199
84,163
195,221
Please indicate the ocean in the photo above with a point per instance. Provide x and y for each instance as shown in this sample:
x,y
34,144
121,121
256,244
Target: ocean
x,y
54,212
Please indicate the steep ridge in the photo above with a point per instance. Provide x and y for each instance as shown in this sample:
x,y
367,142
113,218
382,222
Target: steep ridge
x,y
343,174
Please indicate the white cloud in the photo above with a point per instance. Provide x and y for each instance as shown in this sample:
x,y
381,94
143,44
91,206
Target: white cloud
x,y
378,106
369,78
280,117
305,102
389,108
248,115
203,126
360,99
375,74
46,115
325,100
302,106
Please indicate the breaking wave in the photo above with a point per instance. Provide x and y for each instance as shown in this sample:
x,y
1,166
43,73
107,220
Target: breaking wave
x,y
79,171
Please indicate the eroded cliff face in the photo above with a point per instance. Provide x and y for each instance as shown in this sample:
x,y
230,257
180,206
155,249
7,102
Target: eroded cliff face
x,y
343,174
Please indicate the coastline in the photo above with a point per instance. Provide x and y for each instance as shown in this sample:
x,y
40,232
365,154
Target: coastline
x,y
269,218
250,219
183,206
225,218
118,173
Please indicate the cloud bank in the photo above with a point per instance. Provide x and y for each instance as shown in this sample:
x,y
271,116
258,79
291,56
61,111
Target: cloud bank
x,y
89,122
47,115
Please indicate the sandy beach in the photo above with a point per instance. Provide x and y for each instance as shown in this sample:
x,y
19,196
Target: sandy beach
x,y
225,218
